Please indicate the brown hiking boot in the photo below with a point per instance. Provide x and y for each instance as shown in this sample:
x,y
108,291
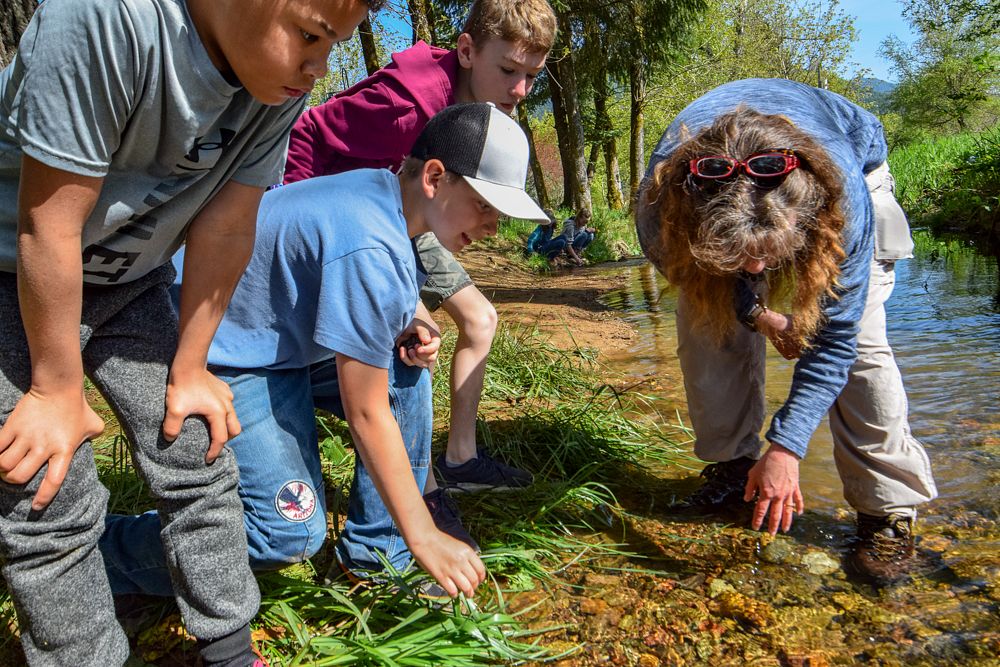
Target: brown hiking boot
x,y
883,551
724,485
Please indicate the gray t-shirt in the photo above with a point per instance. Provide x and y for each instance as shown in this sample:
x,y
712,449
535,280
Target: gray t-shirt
x,y
125,90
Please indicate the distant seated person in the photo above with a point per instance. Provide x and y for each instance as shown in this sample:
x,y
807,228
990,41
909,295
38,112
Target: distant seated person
x,y
575,236
578,235
540,241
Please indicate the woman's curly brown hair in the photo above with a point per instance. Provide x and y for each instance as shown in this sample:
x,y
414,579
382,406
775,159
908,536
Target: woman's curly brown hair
x,y
707,231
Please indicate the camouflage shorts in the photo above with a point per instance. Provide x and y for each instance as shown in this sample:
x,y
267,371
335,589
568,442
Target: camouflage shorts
x,y
445,276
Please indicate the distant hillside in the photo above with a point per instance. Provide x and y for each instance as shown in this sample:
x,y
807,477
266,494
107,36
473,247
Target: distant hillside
x,y
878,93
878,86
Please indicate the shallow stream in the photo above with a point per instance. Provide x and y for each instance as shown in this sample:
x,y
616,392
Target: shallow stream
x,y
789,601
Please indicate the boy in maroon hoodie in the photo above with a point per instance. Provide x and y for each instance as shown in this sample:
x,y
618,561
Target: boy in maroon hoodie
x,y
501,50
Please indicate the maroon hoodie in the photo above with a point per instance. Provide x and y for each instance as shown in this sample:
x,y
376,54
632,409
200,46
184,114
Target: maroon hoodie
x,y
375,122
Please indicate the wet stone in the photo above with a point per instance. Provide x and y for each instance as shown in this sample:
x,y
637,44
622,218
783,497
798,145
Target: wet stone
x,y
777,551
860,611
719,586
619,597
958,617
819,563
816,659
602,581
593,607
806,629
745,609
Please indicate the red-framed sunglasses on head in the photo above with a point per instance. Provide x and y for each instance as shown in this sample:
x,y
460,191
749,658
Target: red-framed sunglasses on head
x,y
766,164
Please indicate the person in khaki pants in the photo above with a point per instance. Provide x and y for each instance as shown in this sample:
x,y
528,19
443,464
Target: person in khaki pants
x,y
770,205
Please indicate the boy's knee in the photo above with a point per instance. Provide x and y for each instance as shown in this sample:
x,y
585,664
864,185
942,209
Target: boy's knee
x,y
286,544
481,324
293,531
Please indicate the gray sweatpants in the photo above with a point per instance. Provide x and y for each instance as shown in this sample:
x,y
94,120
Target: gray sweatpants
x,y
55,573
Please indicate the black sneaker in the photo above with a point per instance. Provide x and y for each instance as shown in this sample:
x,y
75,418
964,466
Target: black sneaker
x,y
883,551
724,485
447,518
482,473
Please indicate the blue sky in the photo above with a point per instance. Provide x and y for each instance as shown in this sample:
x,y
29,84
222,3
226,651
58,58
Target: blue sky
x,y
875,20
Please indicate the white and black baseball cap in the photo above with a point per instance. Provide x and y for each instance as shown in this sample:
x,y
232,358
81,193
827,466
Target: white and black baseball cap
x,y
488,149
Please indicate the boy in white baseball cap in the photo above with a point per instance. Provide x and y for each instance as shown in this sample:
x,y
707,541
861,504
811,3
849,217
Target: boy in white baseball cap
x,y
319,320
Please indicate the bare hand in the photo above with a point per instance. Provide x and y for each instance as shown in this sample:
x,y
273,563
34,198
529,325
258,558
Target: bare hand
x,y
774,480
419,344
453,564
780,329
45,429
201,393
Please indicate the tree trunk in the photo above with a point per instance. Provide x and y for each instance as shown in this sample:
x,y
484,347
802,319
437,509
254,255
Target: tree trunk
x,y
14,19
368,48
579,194
616,200
602,121
636,146
592,160
537,175
420,21
562,133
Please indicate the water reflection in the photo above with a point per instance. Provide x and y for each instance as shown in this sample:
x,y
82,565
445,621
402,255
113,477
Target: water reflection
x,y
944,326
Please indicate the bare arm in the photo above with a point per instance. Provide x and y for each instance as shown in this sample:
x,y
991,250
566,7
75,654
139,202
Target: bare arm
x,y
219,243
365,392
52,419
571,251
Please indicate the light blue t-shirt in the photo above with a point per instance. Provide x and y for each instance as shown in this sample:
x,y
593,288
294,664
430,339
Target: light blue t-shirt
x,y
333,270
855,141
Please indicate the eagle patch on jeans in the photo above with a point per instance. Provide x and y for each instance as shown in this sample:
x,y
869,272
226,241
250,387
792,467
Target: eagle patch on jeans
x,y
296,501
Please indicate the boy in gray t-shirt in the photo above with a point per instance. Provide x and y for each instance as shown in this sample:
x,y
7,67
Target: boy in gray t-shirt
x,y
127,127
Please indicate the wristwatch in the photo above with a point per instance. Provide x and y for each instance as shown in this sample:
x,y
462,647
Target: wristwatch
x,y
749,319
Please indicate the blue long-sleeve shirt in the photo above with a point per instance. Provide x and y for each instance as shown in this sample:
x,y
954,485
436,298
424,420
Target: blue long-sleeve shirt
x,y
855,141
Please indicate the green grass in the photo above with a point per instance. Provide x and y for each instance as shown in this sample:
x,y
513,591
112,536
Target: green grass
x,y
952,183
546,409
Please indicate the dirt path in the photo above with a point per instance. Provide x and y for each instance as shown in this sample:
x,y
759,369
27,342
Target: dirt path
x,y
564,304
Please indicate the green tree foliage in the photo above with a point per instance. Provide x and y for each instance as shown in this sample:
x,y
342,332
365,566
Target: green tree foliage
x,y
349,62
950,77
737,39
621,45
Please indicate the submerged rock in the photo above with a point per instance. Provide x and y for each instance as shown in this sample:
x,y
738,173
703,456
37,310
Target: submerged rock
x,y
745,609
778,551
719,586
819,563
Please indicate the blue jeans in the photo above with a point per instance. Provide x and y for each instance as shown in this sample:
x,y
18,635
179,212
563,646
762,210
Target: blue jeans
x,y
582,240
281,480
551,249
